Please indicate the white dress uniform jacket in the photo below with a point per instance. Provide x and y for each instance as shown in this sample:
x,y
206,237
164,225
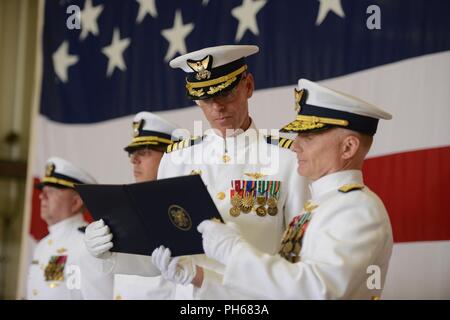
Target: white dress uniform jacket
x,y
135,278
226,160
62,268
347,243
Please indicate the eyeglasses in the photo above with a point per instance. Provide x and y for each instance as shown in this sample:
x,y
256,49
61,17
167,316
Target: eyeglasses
x,y
140,153
223,97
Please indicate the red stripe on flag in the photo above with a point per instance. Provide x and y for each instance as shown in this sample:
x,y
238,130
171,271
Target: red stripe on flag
x,y
38,227
415,188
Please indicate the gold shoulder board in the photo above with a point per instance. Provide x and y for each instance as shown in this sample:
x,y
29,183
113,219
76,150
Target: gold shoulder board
x,y
350,187
183,144
281,142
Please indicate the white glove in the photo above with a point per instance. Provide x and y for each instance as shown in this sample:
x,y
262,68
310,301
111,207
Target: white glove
x,y
97,239
219,239
180,270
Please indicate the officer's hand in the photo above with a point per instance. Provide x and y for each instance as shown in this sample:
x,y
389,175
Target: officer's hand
x,y
219,239
180,270
97,239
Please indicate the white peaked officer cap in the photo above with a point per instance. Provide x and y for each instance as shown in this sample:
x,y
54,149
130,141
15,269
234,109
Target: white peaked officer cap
x,y
320,108
213,71
150,130
61,173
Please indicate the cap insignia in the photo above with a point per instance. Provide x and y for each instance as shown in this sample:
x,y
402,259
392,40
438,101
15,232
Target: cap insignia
x,y
137,127
49,169
300,98
201,67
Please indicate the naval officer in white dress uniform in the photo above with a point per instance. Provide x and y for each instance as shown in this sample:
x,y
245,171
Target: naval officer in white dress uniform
x,y
339,245
247,173
62,268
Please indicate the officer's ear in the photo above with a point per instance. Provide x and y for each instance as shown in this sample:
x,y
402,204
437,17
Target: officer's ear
x,y
350,146
249,84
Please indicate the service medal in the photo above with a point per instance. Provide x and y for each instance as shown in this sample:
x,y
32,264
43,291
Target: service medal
x,y
246,209
272,211
262,190
236,200
261,200
272,202
287,248
261,211
297,248
247,201
235,211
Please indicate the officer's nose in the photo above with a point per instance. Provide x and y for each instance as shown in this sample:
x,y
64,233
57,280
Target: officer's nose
x,y
134,159
217,106
297,145
43,194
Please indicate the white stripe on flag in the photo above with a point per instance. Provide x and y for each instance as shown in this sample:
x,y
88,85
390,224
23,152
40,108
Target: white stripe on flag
x,y
415,91
419,270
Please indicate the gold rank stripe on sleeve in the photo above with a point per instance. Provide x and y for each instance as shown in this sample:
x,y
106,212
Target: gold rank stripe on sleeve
x,y
351,187
183,144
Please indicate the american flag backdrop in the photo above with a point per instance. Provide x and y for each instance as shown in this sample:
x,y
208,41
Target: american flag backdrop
x,y
93,80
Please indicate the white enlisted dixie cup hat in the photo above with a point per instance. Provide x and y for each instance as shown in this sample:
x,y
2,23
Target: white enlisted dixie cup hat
x,y
319,108
213,71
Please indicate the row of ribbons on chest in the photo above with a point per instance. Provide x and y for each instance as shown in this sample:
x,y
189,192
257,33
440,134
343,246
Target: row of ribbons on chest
x,y
258,196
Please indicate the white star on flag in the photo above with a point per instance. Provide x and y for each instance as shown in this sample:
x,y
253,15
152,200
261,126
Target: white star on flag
x,y
246,14
62,60
327,6
176,36
114,52
89,17
146,6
